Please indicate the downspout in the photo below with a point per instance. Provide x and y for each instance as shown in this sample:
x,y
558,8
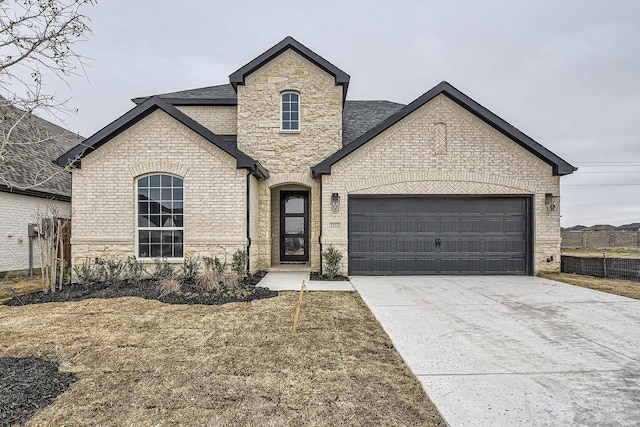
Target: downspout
x,y
248,218
320,235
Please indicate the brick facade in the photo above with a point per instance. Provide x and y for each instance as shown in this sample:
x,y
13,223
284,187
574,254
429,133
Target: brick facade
x,y
442,149
104,223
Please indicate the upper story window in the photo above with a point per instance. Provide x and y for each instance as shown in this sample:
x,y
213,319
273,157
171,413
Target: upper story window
x,y
160,224
290,111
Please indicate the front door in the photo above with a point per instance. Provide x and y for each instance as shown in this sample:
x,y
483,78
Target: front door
x,y
294,226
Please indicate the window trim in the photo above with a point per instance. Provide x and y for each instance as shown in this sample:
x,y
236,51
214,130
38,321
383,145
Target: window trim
x,y
150,259
282,94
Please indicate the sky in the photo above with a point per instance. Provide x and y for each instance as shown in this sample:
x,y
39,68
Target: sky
x,y
565,72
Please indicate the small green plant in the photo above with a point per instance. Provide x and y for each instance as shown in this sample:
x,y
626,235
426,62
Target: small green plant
x,y
190,268
113,271
163,270
90,272
239,262
332,258
133,270
215,265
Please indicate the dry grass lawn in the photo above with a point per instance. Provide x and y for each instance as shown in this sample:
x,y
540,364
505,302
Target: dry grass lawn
x,y
145,363
20,285
625,288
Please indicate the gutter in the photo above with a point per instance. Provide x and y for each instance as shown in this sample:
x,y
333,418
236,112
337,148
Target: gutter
x,y
248,223
320,235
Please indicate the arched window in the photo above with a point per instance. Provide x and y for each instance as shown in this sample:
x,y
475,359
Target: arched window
x,y
290,111
160,200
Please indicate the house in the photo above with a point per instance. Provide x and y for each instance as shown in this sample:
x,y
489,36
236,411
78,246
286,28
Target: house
x,y
30,184
281,163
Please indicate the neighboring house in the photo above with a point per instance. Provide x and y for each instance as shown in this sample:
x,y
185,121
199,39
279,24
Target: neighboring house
x,y
280,162
30,183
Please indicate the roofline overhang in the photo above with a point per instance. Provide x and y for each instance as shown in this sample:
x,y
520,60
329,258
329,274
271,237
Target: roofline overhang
x,y
192,101
341,78
35,193
74,156
559,166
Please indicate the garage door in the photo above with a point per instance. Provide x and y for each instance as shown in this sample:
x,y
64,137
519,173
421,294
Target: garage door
x,y
439,235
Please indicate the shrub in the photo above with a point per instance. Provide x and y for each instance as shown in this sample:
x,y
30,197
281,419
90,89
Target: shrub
x,y
230,281
133,269
113,271
163,270
331,257
90,272
239,262
190,268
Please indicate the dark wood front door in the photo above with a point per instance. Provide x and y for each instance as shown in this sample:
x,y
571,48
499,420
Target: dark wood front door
x,y
294,226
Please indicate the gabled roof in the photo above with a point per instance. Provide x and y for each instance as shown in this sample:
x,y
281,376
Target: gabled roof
x,y
560,167
341,78
28,167
132,117
211,95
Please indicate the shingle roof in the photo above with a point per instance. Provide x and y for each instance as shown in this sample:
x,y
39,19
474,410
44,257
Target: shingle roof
x,y
141,111
210,95
360,116
560,167
28,163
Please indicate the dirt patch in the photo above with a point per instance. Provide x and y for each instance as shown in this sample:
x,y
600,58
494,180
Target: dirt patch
x,y
188,293
141,362
28,385
625,288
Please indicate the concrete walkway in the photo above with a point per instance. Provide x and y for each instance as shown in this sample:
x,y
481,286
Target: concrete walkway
x,y
292,281
507,351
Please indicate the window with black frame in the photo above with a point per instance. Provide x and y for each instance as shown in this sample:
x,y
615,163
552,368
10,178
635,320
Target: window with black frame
x,y
160,223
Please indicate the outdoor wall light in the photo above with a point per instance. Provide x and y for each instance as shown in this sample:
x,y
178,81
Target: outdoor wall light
x,y
551,201
335,202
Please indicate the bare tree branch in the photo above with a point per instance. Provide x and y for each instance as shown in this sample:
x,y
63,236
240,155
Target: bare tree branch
x,y
37,41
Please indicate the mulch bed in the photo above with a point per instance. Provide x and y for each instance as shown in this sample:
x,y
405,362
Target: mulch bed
x,y
28,385
189,293
316,276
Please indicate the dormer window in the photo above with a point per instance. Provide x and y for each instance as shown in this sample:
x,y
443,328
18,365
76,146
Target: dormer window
x,y
290,111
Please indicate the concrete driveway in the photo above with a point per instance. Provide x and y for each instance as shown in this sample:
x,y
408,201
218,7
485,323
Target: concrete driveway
x,y
506,351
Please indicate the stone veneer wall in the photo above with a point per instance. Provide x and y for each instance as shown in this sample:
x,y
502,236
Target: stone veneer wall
x,y
218,119
443,149
288,155
104,222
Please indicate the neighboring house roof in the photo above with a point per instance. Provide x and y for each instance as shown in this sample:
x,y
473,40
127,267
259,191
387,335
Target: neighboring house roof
x,y
211,95
28,168
601,227
633,226
560,167
341,78
360,116
141,111
575,228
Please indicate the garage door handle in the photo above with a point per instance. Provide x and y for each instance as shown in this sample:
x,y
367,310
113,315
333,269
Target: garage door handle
x,y
438,242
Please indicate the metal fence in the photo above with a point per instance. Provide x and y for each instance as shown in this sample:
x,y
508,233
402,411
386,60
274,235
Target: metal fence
x,y
610,268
